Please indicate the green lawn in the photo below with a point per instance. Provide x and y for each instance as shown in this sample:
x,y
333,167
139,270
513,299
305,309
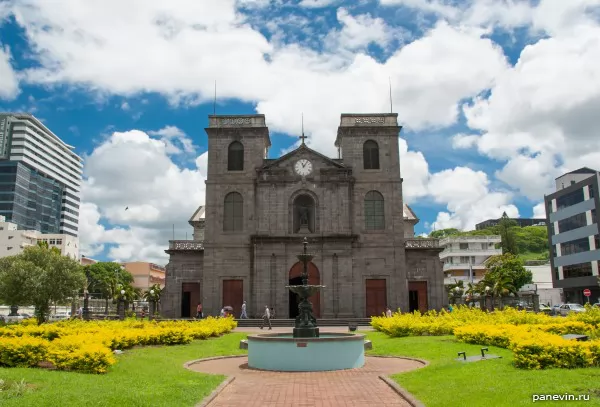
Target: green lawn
x,y
492,383
154,376
151,376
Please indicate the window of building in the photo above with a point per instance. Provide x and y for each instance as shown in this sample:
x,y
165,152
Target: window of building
x,y
594,218
235,157
575,246
556,276
52,241
233,212
9,248
597,242
573,222
591,186
59,241
371,155
569,199
577,270
10,237
463,246
374,211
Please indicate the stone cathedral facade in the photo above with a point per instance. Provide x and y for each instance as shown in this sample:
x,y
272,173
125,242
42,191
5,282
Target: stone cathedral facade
x,y
258,211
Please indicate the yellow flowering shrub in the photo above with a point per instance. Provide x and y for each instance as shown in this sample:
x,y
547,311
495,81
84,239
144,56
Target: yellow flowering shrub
x,y
22,351
87,346
535,339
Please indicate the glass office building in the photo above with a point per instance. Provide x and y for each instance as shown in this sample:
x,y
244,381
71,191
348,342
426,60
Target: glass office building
x,y
40,177
573,234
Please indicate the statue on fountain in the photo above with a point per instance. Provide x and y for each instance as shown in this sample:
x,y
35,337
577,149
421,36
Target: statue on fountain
x,y
306,323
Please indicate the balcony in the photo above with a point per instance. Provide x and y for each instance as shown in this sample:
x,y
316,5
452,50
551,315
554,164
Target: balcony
x,y
480,239
424,243
470,252
466,279
463,266
186,245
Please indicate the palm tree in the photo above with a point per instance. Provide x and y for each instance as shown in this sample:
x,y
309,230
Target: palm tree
x,y
500,286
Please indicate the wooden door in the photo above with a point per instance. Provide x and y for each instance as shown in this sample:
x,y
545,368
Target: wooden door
x,y
233,295
314,278
376,297
190,297
419,288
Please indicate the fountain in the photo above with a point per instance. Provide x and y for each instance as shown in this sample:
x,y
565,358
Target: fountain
x,y
305,350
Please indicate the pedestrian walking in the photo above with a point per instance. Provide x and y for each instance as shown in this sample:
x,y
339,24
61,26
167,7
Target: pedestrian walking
x,y
244,315
199,314
266,318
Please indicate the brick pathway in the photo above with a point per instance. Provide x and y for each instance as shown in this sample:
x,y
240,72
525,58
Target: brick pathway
x,y
356,387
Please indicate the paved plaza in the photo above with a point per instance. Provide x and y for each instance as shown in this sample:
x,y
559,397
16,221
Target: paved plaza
x,y
355,387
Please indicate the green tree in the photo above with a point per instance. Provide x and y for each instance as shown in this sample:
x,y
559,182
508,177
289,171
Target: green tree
x,y
43,276
105,278
510,266
440,234
15,274
507,234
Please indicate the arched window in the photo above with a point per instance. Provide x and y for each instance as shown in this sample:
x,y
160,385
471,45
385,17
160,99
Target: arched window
x,y
235,157
233,218
374,213
304,214
371,155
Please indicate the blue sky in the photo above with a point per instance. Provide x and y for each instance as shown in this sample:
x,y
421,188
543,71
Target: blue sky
x,y
496,98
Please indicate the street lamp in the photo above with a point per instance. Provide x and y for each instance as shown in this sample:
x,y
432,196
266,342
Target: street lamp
x,y
152,305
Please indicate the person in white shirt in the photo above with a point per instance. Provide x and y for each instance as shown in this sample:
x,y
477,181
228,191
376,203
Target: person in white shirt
x,y
266,318
388,312
244,315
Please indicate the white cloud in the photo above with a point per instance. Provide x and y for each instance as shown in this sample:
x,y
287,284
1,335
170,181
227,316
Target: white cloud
x,y
543,111
464,141
153,46
9,84
539,211
132,170
317,3
359,31
415,171
171,136
468,198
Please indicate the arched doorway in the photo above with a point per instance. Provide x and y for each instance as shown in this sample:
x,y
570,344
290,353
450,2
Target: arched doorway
x,y
314,278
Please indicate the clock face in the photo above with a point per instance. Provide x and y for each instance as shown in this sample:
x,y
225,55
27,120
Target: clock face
x,y
303,167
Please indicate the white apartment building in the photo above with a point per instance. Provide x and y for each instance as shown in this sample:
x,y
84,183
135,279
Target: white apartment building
x,y
13,241
463,253
25,140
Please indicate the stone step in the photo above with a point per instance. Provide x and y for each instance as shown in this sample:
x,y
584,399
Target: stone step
x,y
320,322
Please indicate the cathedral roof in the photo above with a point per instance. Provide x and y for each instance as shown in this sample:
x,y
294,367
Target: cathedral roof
x,y
303,147
409,214
199,214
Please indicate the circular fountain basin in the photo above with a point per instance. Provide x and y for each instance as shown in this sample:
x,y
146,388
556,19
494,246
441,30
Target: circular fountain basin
x,y
284,353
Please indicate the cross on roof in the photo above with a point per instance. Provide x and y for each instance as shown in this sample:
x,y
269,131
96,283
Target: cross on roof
x,y
302,137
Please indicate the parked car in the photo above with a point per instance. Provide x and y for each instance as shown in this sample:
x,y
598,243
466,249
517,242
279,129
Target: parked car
x,y
556,309
59,316
566,309
16,318
545,309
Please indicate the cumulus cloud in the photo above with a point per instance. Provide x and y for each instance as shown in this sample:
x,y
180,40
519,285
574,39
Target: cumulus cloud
x,y
468,197
539,211
9,84
132,184
542,112
153,47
